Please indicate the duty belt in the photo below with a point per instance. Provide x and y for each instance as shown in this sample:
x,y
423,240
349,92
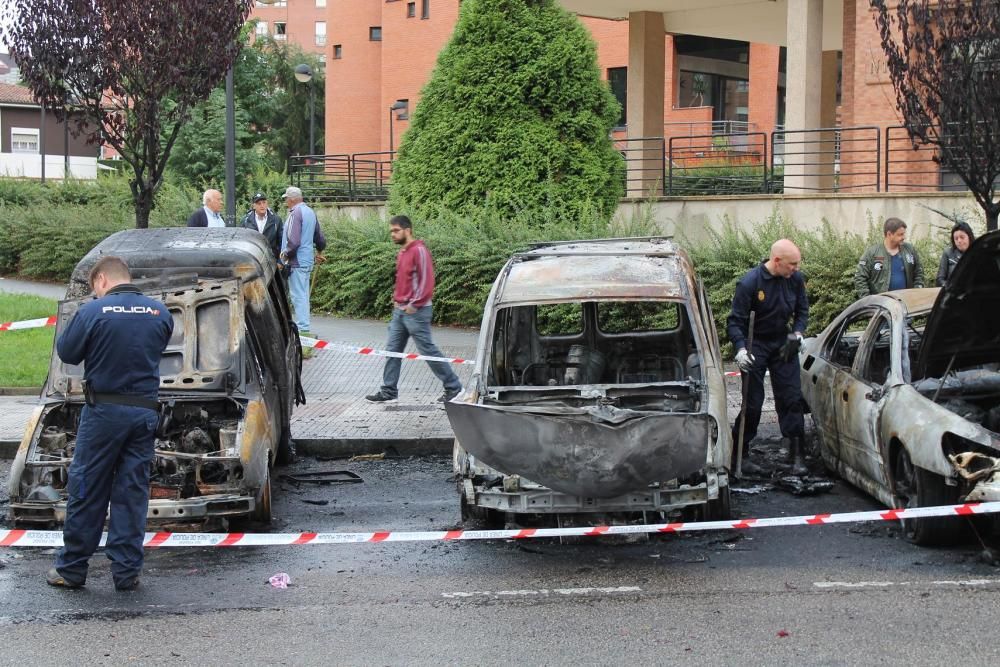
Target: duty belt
x,y
95,397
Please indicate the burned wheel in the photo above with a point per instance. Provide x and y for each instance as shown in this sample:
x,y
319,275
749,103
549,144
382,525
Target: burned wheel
x,y
916,487
721,508
285,454
262,508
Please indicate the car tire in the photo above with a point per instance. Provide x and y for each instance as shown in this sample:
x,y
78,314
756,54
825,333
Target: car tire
x,y
721,509
262,507
916,487
285,454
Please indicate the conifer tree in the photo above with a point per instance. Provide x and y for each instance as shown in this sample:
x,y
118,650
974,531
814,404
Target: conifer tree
x,y
515,119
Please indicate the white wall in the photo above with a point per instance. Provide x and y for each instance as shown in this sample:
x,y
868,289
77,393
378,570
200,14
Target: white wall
x,y
29,165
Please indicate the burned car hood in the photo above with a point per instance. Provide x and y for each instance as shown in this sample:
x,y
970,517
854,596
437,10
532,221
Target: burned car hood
x,y
963,328
203,351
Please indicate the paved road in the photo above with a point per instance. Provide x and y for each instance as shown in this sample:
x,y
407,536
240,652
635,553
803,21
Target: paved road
x,y
835,595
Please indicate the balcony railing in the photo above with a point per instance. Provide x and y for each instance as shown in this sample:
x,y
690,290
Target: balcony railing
x,y
823,160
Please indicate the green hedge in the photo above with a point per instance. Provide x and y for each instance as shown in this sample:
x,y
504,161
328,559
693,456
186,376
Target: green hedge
x,y
829,259
468,251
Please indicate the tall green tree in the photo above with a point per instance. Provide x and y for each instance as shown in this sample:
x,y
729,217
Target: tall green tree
x,y
272,117
515,118
126,72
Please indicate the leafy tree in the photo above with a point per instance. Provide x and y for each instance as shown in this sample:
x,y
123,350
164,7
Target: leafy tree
x,y
515,118
943,58
126,71
272,117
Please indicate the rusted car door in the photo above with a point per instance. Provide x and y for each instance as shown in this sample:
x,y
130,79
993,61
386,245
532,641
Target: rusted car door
x,y
860,400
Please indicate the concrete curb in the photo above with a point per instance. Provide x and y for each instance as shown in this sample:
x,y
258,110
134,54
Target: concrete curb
x,y
20,391
8,448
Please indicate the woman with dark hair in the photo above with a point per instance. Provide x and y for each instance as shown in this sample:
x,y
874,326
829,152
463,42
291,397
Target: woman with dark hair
x,y
961,238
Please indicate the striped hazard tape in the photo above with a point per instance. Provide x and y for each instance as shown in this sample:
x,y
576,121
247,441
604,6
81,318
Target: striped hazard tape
x,y
48,538
306,342
327,345
28,324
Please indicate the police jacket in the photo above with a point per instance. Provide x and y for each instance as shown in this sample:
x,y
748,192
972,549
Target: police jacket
x,y
775,300
875,269
272,229
120,339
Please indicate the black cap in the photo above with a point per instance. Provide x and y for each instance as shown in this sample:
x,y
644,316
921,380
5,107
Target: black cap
x,y
260,196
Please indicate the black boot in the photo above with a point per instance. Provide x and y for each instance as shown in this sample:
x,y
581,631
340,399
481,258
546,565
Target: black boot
x,y
796,457
748,468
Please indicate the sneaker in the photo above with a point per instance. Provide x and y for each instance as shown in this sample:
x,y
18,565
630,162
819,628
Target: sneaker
x,y
448,395
380,397
53,578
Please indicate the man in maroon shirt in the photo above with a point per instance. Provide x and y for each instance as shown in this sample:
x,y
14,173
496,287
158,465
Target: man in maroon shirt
x,y
411,316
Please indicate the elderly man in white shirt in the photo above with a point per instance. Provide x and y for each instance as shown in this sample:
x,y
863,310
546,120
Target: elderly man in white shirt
x,y
210,214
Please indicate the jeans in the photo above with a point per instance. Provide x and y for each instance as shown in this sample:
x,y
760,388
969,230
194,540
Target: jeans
x,y
114,450
402,327
298,289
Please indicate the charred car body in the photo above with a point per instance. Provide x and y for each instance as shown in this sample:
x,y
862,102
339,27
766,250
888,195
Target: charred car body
x,y
229,379
598,387
904,388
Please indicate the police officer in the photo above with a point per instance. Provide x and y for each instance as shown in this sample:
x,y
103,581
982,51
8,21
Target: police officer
x,y
776,292
119,338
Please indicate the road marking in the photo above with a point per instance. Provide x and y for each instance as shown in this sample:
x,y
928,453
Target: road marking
x,y
888,584
544,592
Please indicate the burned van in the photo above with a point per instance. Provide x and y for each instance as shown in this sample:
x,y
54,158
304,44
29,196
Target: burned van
x,y
229,379
598,387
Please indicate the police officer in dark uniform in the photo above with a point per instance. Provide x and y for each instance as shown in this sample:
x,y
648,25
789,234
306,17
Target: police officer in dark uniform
x,y
119,338
776,292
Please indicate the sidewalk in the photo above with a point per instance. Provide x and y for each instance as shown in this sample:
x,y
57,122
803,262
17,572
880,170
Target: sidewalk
x,y
336,419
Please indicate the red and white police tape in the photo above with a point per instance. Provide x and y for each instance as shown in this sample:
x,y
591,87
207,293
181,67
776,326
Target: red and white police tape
x,y
48,538
28,324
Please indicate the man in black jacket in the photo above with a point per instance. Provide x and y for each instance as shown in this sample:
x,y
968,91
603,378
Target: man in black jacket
x,y
265,221
210,213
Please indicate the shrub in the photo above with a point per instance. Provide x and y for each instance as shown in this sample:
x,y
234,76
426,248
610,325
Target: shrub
x,y
829,259
515,119
468,251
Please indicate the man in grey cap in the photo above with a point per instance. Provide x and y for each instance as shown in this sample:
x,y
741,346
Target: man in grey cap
x,y
301,233
265,221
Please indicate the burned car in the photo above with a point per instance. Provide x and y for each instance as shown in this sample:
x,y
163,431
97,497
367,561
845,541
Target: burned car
x,y
597,388
904,388
229,379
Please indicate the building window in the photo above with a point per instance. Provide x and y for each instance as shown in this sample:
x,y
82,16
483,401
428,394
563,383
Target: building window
x,y
375,33
338,51
618,80
279,31
411,10
320,33
23,140
321,3
322,61
261,28
425,9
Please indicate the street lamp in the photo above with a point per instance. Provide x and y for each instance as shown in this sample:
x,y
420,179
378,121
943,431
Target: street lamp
x,y
398,105
304,74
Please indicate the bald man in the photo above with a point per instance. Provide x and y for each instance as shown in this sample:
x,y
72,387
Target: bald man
x,y
776,292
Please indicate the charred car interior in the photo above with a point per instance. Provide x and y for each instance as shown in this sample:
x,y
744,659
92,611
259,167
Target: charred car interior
x,y
597,388
229,380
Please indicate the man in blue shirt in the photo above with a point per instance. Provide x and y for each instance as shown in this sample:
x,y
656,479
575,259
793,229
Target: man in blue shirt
x,y
776,292
301,233
120,338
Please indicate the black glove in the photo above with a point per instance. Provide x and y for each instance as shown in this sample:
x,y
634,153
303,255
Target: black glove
x,y
790,349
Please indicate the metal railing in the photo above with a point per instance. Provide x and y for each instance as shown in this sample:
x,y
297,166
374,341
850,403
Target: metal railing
x,y
822,160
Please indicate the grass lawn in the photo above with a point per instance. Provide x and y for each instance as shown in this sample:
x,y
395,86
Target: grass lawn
x,y
24,355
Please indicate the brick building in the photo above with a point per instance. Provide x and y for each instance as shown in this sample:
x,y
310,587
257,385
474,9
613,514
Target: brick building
x,y
678,66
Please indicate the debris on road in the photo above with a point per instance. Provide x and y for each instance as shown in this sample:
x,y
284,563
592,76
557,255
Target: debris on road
x,y
325,477
803,486
280,580
367,457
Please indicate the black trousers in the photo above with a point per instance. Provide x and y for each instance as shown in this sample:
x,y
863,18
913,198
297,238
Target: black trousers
x,y
785,384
